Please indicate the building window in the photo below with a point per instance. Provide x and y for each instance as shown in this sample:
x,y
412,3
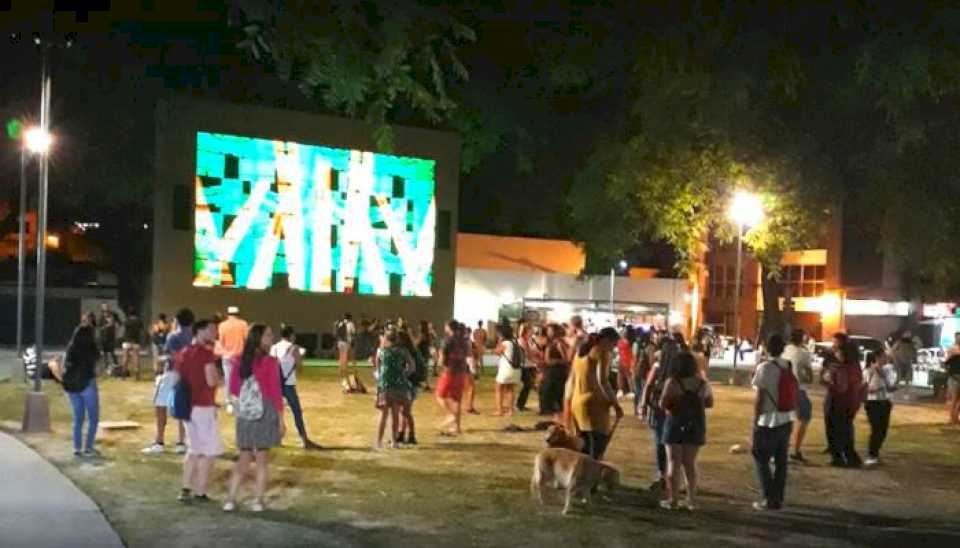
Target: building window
x,y
723,282
803,280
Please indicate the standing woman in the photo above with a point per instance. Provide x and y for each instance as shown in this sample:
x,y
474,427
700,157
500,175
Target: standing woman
x,y
685,397
453,360
393,388
509,374
625,380
255,438
532,360
425,346
408,432
290,357
878,378
591,393
844,384
556,369
80,383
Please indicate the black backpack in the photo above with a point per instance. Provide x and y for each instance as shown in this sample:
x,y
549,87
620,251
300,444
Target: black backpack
x,y
182,405
342,330
689,412
517,355
952,365
419,374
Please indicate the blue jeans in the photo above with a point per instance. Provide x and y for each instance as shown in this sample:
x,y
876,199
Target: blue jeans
x,y
772,443
658,447
293,400
85,403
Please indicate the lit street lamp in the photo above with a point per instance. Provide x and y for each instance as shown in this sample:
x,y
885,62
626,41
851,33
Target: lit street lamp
x,y
34,141
36,416
745,211
613,280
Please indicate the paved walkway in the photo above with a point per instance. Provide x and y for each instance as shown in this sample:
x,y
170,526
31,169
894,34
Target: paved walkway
x,y
41,508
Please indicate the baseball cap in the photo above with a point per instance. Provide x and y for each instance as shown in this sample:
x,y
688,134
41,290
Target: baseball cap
x,y
233,310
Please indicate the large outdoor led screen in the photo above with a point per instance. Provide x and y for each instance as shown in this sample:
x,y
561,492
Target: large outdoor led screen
x,y
291,215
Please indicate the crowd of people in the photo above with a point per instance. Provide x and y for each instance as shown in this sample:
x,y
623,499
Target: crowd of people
x,y
579,378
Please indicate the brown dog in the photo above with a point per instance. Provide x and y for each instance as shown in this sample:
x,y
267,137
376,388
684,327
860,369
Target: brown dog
x,y
572,471
559,437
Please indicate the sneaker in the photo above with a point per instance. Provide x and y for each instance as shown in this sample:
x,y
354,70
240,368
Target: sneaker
x,y
91,454
201,498
155,449
760,506
180,448
412,440
77,454
229,506
871,461
668,505
688,505
256,507
185,497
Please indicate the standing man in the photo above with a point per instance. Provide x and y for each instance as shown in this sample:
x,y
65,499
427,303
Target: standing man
x,y
197,367
130,347
107,337
231,334
771,427
904,356
346,332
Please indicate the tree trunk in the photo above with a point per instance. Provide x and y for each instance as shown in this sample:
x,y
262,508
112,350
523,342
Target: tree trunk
x,y
772,321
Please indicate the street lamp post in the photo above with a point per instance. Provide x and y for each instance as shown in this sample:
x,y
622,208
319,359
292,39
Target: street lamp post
x,y
746,210
36,415
21,247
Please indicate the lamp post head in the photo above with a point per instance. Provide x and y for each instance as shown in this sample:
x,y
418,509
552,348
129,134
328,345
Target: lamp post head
x,y
746,209
623,265
37,141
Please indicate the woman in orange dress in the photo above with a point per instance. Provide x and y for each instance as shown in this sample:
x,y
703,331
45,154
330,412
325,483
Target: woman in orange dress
x,y
591,395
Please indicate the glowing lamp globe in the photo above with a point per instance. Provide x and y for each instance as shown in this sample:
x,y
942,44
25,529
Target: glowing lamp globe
x,y
37,140
746,209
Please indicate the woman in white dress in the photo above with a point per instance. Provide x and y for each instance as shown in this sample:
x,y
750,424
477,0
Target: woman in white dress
x,y
509,374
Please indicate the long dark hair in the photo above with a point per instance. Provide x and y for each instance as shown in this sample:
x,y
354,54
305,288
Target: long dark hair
x,y
594,339
251,349
83,339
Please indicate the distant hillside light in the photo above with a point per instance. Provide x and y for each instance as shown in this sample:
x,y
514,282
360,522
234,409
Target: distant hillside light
x,y
37,141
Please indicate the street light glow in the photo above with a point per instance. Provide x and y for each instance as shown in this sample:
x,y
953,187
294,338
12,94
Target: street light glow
x,y
623,265
746,209
37,140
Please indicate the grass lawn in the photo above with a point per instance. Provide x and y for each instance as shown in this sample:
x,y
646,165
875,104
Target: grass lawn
x,y
473,491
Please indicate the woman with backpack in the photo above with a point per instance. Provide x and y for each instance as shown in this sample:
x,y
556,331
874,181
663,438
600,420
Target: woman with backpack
x,y
290,357
685,397
416,376
259,412
80,383
879,380
509,372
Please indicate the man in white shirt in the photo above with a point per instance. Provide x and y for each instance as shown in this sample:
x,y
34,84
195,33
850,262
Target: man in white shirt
x,y
771,428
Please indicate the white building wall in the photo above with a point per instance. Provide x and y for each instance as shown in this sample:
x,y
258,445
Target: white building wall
x,y
479,293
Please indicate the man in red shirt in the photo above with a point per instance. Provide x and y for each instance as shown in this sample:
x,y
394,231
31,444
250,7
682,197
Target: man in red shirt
x,y
197,367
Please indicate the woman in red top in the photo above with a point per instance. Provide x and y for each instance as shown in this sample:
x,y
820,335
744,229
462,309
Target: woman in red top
x,y
453,359
625,349
256,437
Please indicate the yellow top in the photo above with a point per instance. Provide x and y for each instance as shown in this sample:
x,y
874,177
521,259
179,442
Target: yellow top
x,y
590,391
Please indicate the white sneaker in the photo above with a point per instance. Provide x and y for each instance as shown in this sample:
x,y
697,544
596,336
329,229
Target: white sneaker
x,y
256,507
180,449
155,449
230,506
870,461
